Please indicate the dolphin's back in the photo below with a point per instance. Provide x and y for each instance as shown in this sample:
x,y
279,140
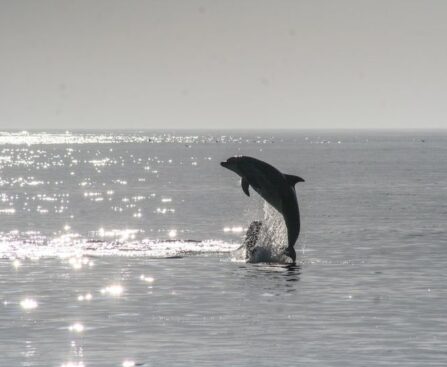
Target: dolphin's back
x,y
267,181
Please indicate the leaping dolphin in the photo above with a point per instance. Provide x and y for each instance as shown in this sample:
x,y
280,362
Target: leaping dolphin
x,y
277,188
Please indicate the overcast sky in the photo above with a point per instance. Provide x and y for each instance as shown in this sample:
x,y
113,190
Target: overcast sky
x,y
223,64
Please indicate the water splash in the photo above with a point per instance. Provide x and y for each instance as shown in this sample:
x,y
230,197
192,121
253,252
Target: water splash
x,y
270,240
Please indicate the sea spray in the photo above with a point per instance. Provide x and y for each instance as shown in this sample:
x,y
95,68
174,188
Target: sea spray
x,y
266,239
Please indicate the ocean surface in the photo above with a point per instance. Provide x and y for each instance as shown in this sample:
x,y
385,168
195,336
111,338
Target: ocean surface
x,y
117,249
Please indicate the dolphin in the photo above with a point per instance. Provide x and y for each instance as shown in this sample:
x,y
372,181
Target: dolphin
x,y
277,188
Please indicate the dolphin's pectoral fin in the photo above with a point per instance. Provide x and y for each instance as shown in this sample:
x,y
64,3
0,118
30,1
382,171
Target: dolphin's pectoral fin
x,y
244,184
292,180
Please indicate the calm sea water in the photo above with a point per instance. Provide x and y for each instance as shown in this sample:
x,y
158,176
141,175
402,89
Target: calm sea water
x,y
115,250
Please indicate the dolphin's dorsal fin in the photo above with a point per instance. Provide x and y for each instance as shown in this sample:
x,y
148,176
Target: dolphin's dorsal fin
x,y
292,180
244,184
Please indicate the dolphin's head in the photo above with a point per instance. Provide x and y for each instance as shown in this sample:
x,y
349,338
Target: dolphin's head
x,y
233,164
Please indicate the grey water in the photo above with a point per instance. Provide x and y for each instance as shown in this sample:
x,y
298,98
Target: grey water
x,y
117,249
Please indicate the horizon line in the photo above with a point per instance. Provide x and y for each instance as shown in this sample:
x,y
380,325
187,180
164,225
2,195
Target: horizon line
x,y
226,129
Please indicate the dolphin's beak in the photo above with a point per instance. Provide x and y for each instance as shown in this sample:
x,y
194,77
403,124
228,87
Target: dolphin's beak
x,y
230,164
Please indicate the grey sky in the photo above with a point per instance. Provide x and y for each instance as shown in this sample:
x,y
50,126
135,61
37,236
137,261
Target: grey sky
x,y
223,64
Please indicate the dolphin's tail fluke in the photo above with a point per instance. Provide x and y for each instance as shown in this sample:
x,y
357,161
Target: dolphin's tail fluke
x,y
290,252
293,231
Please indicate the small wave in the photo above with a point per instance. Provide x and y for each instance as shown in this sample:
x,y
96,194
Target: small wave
x,y
34,245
